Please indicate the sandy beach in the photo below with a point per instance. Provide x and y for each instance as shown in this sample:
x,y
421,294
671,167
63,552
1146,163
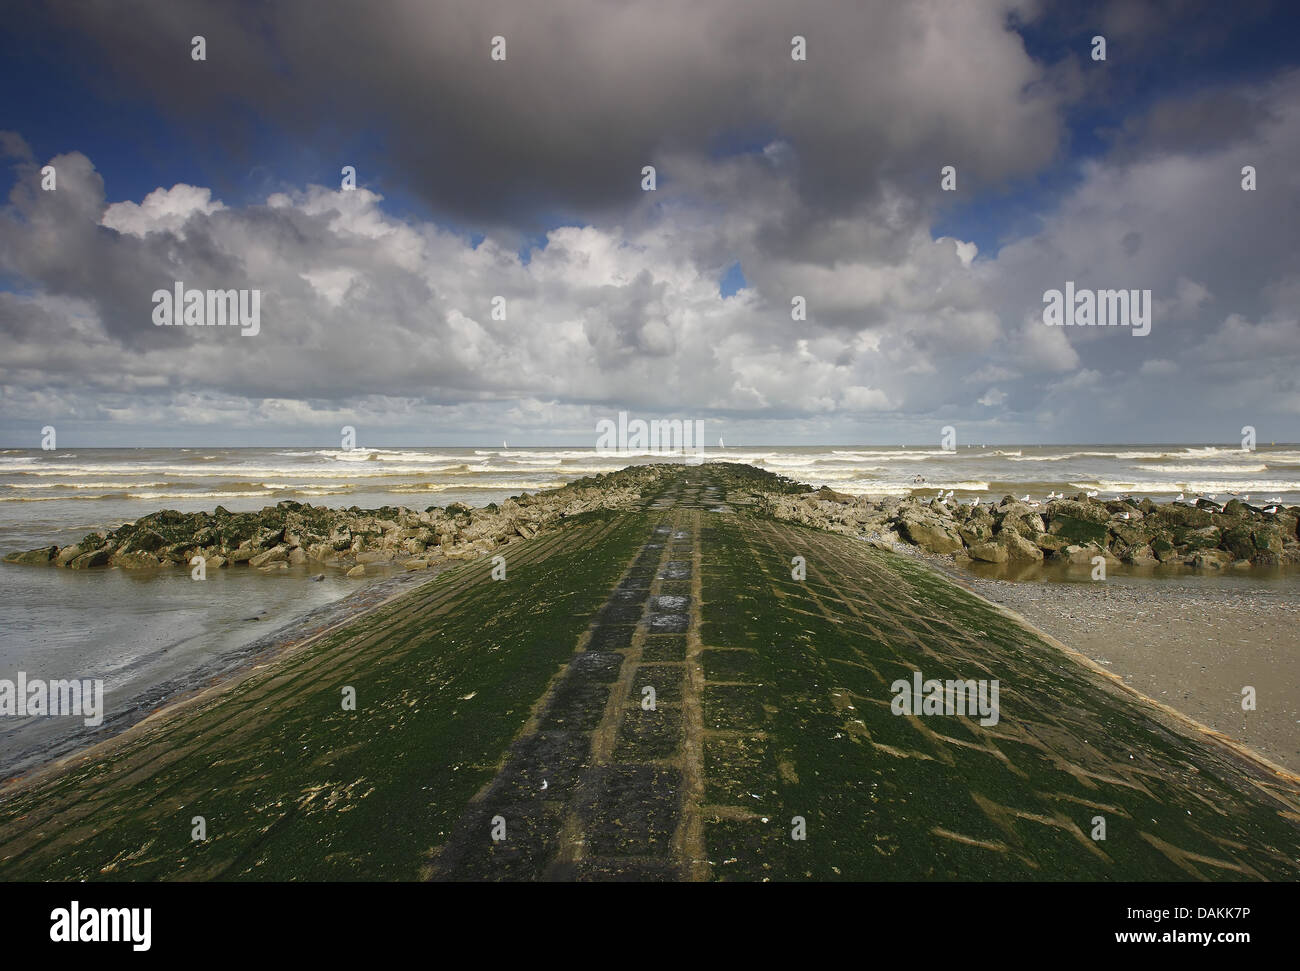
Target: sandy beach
x,y
1192,643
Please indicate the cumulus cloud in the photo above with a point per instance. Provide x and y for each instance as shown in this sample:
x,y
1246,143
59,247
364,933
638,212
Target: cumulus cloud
x,y
819,178
163,210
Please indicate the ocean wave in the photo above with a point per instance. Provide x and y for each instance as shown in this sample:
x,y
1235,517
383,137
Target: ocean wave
x,y
386,455
84,485
898,488
1195,486
828,475
144,496
465,487
888,453
1202,469
238,494
254,490
1098,455
317,472
553,453
573,471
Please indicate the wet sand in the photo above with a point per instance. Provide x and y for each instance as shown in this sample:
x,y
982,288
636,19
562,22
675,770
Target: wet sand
x,y
1192,643
1189,640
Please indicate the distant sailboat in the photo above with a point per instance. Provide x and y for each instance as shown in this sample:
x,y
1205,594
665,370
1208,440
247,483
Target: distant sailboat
x,y
504,446
721,444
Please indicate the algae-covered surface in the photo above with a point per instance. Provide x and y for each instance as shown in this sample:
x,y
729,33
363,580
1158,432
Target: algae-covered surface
x,y
651,694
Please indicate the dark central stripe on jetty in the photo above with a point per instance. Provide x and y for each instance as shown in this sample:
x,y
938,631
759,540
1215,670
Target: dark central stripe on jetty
x,y
594,789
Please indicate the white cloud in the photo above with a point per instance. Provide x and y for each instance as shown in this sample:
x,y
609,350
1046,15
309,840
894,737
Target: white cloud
x,y
163,210
389,318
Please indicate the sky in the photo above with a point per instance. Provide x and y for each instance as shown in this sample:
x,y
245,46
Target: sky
x,y
516,185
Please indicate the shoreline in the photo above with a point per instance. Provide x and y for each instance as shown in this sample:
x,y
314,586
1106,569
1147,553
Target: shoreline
x,y
1235,745
1193,651
168,697
1122,628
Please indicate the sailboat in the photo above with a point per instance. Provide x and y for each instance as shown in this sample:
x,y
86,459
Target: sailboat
x,y
503,446
721,444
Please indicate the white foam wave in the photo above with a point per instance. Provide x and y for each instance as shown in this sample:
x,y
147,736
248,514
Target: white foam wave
x,y
1202,469
1221,487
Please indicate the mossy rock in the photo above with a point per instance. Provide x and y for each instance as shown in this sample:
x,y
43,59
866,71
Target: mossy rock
x,y
1176,514
1268,538
90,560
1239,542
144,541
34,557
1078,531
1205,538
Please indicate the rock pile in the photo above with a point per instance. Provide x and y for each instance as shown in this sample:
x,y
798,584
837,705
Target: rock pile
x,y
1204,535
360,540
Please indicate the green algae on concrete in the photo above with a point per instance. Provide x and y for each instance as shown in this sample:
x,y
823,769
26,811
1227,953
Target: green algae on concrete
x,y
776,723
290,785
809,733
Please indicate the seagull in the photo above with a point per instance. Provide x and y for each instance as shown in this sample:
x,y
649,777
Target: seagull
x,y
949,495
1033,503
1025,497
975,502
1276,500
1092,494
1055,495
1124,515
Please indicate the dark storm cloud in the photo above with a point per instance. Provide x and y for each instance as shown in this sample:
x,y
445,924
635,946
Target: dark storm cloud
x,y
1203,122
590,92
